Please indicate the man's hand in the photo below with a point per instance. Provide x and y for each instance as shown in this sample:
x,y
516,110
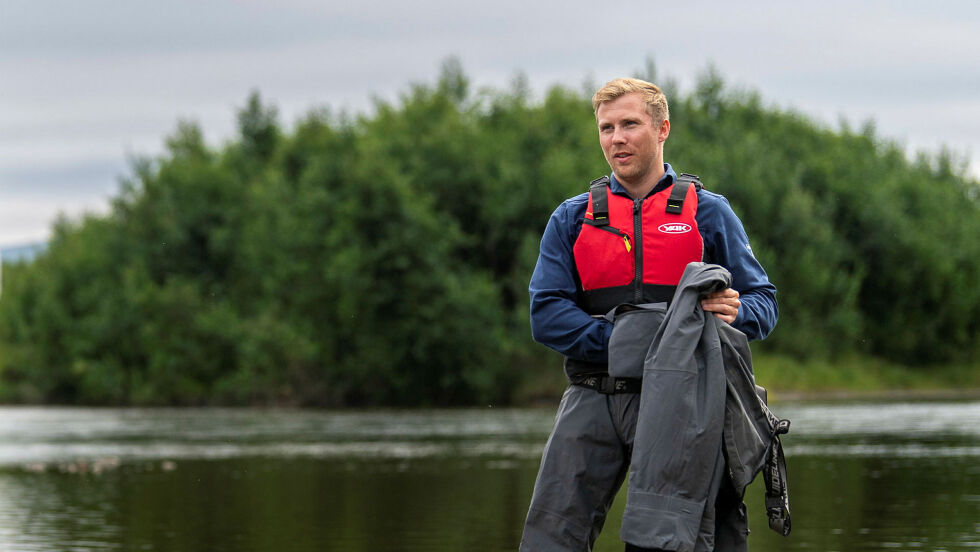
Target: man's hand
x,y
724,304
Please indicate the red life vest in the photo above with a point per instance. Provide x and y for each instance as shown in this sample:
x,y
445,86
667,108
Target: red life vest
x,y
634,251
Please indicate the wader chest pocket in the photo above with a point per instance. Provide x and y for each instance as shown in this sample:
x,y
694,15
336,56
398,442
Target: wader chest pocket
x,y
634,327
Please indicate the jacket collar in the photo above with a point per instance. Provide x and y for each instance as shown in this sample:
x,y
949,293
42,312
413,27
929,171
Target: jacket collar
x,y
667,180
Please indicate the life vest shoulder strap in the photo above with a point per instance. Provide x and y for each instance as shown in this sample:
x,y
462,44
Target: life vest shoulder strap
x,y
675,203
599,188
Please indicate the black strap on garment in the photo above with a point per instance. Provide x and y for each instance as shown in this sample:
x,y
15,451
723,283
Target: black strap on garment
x,y
608,385
777,495
675,202
600,202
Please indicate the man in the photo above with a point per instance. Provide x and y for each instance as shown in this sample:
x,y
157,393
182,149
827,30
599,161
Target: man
x,y
627,241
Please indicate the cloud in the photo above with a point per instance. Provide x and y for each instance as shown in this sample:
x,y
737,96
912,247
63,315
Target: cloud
x,y
25,220
86,84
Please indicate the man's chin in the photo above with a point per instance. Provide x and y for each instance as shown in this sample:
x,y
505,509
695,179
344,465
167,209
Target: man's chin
x,y
627,177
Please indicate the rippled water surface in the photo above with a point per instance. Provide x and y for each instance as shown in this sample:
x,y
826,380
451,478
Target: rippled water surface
x,y
863,476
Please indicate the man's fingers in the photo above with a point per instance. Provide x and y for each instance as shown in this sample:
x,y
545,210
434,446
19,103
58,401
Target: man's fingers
x,y
726,318
724,304
721,305
727,292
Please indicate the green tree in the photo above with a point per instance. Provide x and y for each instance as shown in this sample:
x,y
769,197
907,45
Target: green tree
x,y
383,257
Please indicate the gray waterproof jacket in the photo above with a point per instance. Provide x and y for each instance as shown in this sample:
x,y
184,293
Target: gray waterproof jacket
x,y
701,428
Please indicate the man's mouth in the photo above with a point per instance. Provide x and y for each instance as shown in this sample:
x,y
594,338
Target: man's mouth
x,y
622,156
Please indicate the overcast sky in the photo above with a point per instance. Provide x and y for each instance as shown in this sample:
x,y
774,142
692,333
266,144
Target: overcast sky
x,y
84,85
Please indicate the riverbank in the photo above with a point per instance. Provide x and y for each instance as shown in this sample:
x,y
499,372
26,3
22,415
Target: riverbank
x,y
853,377
786,379
862,377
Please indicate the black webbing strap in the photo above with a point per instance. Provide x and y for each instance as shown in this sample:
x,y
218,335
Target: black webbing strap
x,y
777,495
675,203
608,385
600,202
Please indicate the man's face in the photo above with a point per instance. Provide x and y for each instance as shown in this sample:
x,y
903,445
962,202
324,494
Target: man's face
x,y
631,140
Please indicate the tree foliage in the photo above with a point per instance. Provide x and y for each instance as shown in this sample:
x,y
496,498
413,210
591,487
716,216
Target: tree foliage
x,y
383,258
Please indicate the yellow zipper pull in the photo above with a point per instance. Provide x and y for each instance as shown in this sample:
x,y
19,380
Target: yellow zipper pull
x,y
626,240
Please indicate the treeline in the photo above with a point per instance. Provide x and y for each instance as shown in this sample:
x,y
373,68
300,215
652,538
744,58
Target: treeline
x,y
383,258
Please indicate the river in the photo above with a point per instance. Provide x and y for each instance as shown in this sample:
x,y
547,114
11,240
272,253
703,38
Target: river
x,y
863,476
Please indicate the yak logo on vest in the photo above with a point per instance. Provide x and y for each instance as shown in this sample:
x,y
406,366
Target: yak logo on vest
x,y
674,228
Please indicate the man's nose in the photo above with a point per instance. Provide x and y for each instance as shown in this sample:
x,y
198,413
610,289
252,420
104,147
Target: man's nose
x,y
618,136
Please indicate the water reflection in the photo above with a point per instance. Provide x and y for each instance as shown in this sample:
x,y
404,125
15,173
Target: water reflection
x,y
896,476
885,476
32,435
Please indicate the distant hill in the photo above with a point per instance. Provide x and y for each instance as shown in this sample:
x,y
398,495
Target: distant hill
x,y
25,252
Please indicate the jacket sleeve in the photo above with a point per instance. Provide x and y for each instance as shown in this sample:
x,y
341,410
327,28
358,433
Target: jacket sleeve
x,y
556,319
727,244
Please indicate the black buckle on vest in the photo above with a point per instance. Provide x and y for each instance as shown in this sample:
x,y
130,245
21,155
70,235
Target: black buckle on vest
x,y
692,178
675,206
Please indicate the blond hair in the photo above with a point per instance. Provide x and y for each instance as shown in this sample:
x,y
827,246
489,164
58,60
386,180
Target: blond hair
x,y
650,93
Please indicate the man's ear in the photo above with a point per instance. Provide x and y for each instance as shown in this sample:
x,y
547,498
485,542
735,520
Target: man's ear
x,y
664,130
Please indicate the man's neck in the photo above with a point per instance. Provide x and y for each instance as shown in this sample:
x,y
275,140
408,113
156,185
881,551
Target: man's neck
x,y
641,189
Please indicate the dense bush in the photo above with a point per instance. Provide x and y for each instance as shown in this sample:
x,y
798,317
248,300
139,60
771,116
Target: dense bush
x,y
383,258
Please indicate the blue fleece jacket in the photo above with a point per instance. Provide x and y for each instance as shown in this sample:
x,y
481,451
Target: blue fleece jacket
x,y
558,322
